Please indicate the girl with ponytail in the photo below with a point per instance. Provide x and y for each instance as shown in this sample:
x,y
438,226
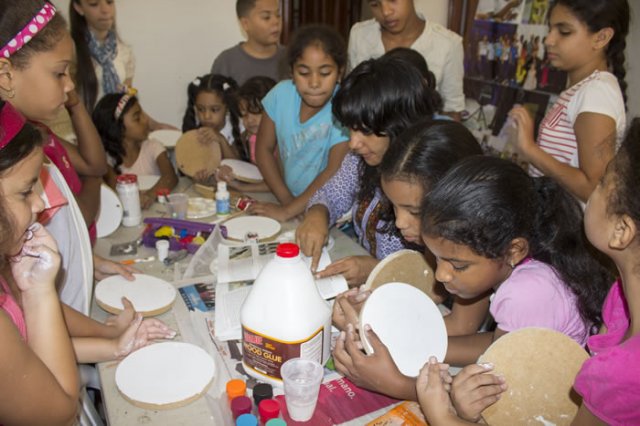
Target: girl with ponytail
x,y
580,133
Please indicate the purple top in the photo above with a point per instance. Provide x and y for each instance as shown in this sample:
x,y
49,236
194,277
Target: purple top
x,y
609,382
339,193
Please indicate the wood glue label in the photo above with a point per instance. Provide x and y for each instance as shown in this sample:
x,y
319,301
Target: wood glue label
x,y
265,355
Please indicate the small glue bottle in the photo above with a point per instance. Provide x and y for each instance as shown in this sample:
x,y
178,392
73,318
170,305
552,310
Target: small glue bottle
x,y
222,199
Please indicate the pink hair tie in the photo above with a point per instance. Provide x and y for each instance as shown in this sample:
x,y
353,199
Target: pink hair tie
x,y
39,21
11,122
121,104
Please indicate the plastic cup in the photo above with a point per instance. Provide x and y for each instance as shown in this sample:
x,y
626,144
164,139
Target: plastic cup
x,y
163,249
301,379
177,205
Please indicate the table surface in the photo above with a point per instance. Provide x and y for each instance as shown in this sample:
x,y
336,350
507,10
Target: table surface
x,y
211,408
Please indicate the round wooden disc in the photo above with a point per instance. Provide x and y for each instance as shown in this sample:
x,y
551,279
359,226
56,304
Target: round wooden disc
x,y
404,266
165,375
243,171
193,156
540,366
149,295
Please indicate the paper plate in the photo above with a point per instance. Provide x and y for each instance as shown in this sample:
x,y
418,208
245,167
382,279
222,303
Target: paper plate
x,y
408,322
149,295
200,207
146,182
165,375
193,156
540,367
404,266
110,214
243,171
238,227
167,137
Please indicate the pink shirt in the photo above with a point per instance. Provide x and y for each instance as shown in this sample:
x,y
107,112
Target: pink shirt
x,y
11,307
609,382
535,296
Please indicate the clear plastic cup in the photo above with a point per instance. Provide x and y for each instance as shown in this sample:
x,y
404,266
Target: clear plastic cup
x,y
301,379
177,205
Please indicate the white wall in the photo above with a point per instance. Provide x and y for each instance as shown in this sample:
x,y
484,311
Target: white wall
x,y
173,41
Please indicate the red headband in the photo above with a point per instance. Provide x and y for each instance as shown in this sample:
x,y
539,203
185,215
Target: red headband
x,y
11,122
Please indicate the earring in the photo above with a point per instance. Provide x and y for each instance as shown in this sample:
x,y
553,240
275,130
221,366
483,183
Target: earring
x,y
11,93
512,264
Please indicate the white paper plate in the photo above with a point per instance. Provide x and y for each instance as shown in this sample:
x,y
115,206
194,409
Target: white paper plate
x,y
149,295
165,375
110,214
243,170
146,182
167,137
238,227
200,207
408,322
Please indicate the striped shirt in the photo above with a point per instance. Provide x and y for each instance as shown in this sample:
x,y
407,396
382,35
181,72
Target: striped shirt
x,y
598,93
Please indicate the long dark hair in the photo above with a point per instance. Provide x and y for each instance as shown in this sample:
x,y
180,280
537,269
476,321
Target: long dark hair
x,y
599,14
485,202
384,97
111,131
21,146
85,76
15,16
226,88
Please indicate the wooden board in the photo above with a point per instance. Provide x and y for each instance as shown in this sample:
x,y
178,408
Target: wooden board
x,y
404,266
193,156
540,366
149,295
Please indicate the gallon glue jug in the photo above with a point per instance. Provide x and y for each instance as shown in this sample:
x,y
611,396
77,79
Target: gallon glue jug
x,y
283,317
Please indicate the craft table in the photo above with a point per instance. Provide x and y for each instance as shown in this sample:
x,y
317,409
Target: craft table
x,y
210,409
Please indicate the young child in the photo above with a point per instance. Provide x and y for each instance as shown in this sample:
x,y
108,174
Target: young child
x,y
579,134
124,129
250,96
608,381
34,78
38,365
260,54
378,100
298,120
396,23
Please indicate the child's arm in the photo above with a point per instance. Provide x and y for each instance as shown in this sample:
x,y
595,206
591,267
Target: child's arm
x,y
474,389
265,145
595,135
465,350
207,135
168,180
586,418
355,269
297,205
467,315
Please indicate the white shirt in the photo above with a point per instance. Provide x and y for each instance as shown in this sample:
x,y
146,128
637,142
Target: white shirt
x,y
441,48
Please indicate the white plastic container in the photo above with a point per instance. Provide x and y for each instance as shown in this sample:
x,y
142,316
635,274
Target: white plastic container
x,y
129,194
283,317
223,199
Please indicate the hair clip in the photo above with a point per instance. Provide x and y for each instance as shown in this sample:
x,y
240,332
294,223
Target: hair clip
x,y
131,91
196,82
225,86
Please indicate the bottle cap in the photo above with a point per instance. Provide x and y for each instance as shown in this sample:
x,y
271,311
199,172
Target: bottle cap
x,y
240,405
287,250
235,388
276,422
127,178
221,186
247,420
268,409
262,391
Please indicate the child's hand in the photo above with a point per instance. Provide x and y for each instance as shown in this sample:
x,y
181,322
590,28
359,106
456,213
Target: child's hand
x,y
104,268
375,372
204,177
272,210
432,387
146,199
524,124
225,173
355,269
140,333
206,135
123,320
38,262
473,390
347,307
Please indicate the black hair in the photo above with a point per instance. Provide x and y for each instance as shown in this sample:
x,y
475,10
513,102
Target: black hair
x,y
382,96
110,129
226,88
626,174
253,91
484,203
599,14
418,61
243,7
15,16
85,74
323,36
423,154
20,147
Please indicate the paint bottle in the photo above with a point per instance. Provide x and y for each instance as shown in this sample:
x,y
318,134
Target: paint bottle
x,y
222,199
240,405
247,420
262,391
283,317
268,409
235,388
